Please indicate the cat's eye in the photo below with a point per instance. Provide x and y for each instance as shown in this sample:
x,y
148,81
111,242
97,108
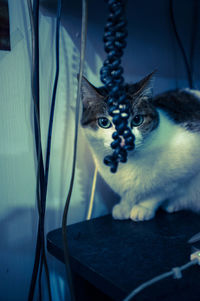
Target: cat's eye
x,y
137,120
104,122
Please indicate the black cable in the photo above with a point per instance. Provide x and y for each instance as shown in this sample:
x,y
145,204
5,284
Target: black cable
x,y
54,93
42,179
194,35
66,208
40,169
48,151
187,66
41,204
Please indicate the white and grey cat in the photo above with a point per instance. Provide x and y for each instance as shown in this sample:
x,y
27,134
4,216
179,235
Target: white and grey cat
x,y
164,168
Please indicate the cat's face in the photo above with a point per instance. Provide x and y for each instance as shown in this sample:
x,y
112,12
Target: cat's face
x,y
98,124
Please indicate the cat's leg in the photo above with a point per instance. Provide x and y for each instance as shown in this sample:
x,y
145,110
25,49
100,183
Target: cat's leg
x,y
145,210
121,210
172,206
186,196
182,202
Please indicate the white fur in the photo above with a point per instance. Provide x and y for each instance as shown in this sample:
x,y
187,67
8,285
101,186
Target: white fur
x,y
193,92
163,170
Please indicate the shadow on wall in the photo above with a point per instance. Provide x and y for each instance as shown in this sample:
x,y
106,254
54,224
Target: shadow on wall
x,y
151,42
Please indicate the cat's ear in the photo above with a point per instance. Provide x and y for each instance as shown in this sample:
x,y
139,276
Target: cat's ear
x,y
144,87
89,93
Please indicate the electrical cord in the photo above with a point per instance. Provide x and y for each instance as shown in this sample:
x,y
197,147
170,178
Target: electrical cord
x,y
40,253
175,272
187,66
91,202
194,35
54,93
40,169
48,151
66,207
42,179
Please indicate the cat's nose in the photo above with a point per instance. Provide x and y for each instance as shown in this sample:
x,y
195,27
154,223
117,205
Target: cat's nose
x,y
122,142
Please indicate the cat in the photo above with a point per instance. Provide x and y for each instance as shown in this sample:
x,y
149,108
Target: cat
x,y
164,168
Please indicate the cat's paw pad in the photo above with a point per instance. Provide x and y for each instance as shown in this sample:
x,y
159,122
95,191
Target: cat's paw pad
x,y
141,213
121,211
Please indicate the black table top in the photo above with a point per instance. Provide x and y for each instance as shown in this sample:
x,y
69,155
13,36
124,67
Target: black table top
x,y
117,256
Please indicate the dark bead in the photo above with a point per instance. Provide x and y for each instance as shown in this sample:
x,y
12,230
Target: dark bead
x,y
112,56
111,109
115,135
115,143
108,36
106,63
121,127
127,133
129,147
114,168
119,26
115,91
115,155
108,26
117,151
122,98
116,64
112,17
121,35
124,109
110,101
120,44
124,115
104,72
103,79
109,46
123,158
108,160
117,14
130,140
118,72
116,119
109,84
110,2
127,103
119,81
114,5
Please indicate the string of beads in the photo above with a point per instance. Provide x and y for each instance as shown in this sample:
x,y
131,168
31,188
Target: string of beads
x,y
112,77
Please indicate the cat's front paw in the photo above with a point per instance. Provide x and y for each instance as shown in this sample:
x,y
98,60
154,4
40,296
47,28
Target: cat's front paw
x,y
170,208
141,213
121,211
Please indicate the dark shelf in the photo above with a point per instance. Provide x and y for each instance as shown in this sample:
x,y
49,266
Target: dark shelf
x,y
117,256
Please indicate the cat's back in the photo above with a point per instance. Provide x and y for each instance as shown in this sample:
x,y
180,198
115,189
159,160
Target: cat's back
x,y
181,106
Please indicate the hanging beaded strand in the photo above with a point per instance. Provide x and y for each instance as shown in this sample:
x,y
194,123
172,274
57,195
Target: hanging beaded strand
x,y
112,77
